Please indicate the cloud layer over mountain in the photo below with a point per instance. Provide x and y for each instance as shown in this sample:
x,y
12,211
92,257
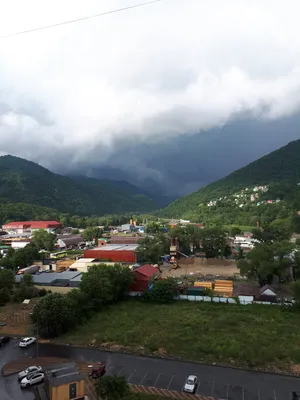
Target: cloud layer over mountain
x,y
79,94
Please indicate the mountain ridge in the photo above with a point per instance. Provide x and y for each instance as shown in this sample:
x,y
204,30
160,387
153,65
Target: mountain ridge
x,y
23,181
280,170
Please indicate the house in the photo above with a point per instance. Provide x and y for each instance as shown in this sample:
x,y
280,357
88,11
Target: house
x,y
266,294
143,276
28,227
63,381
245,294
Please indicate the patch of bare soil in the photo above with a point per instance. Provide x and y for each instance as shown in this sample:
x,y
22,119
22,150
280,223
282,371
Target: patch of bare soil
x,y
214,267
16,318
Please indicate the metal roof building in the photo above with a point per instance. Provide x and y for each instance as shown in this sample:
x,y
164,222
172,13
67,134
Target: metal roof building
x,y
51,278
114,253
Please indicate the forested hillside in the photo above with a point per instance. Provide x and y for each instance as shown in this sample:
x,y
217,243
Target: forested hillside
x,y
217,202
22,181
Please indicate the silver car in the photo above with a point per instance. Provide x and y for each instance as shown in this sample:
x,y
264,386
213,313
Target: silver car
x,y
190,384
32,379
30,370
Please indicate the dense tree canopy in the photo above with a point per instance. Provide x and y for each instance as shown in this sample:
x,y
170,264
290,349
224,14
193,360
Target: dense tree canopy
x,y
44,240
151,249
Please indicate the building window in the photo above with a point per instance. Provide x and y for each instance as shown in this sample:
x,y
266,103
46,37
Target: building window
x,y
72,391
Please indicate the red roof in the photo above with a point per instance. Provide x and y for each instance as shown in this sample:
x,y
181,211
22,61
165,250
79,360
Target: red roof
x,y
32,224
146,270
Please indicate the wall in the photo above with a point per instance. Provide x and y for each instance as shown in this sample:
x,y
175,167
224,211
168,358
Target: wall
x,y
115,256
62,392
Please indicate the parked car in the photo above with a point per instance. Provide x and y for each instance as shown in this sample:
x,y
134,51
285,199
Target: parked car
x,y
98,370
4,339
32,379
190,384
30,370
27,341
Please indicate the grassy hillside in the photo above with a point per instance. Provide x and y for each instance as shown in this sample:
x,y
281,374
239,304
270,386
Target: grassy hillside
x,y
23,181
280,170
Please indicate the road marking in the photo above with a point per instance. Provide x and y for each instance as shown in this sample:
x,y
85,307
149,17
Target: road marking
x,y
227,394
258,395
243,392
213,389
170,382
131,375
199,384
145,377
118,374
274,394
156,380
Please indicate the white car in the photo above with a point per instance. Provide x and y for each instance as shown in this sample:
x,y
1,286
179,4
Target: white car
x,y
190,384
30,370
32,379
27,341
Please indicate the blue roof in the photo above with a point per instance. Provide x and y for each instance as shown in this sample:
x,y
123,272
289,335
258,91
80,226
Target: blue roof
x,y
51,277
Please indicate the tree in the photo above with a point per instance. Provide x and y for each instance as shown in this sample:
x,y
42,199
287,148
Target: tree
x,y
25,257
234,231
54,315
164,291
278,230
104,284
92,233
27,279
153,227
295,287
113,388
7,279
214,242
151,249
44,240
75,231
4,295
259,264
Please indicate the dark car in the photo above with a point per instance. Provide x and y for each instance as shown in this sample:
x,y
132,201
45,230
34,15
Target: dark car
x,y
4,339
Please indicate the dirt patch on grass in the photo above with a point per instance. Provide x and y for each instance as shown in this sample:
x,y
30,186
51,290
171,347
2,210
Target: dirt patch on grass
x,y
16,318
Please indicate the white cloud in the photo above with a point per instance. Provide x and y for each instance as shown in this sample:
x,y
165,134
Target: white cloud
x,y
175,67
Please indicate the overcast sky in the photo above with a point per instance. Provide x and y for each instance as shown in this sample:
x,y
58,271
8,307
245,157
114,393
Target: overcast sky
x,y
69,95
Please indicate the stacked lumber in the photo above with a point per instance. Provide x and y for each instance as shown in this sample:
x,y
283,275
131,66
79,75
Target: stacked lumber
x,y
224,288
207,285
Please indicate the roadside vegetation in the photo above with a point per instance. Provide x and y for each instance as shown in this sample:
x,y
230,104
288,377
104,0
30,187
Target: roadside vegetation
x,y
253,335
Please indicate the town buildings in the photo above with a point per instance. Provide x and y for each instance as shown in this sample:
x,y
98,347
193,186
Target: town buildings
x,y
28,227
114,253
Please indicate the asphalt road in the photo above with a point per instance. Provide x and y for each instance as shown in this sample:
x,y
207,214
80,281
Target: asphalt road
x,y
218,382
10,388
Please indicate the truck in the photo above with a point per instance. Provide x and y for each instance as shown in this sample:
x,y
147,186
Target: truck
x,y
29,270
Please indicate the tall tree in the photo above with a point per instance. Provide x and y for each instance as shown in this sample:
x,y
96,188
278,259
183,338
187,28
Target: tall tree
x,y
151,249
214,242
7,279
113,388
92,233
44,240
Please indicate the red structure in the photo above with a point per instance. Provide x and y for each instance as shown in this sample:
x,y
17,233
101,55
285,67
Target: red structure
x,y
142,277
24,226
124,239
114,253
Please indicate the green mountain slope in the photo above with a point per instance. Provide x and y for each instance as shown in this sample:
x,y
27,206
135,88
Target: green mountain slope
x,y
279,170
23,181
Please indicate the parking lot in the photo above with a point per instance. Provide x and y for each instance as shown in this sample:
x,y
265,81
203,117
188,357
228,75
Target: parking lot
x,y
10,388
216,389
218,382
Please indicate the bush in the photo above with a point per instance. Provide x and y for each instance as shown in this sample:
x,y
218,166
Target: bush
x,y
4,296
42,292
164,291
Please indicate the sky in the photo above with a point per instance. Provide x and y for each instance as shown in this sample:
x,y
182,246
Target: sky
x,y
131,93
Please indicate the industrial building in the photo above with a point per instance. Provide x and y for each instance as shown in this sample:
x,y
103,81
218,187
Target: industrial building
x,y
114,253
68,241
52,278
28,227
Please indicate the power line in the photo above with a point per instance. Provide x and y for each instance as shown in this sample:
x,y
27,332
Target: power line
x,y
80,19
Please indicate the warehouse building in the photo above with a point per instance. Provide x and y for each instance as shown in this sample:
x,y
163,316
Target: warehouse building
x,y
52,278
114,253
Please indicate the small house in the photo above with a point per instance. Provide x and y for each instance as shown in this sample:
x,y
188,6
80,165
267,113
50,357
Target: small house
x,y
266,294
64,381
142,277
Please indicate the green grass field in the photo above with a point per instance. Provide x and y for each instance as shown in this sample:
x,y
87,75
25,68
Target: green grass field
x,y
254,335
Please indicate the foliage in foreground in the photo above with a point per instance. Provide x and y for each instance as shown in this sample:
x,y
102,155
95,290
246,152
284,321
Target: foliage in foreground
x,y
247,335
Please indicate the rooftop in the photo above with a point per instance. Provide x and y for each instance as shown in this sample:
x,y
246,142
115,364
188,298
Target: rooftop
x,y
62,374
117,247
84,260
146,270
50,277
32,224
